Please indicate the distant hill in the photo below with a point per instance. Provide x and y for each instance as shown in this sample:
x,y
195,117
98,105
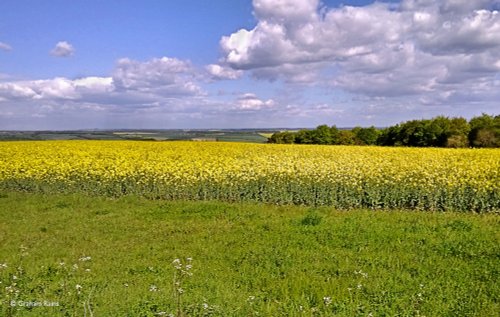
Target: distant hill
x,y
223,135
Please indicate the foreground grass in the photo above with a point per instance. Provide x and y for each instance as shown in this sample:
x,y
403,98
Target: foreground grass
x,y
103,257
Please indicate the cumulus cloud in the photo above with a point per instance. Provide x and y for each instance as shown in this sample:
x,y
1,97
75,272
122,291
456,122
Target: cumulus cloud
x,y
5,46
164,76
339,34
284,11
222,72
153,90
414,47
474,32
250,102
62,49
132,82
57,88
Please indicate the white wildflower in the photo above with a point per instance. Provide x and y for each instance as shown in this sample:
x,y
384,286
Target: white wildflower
x,y
153,288
327,300
177,264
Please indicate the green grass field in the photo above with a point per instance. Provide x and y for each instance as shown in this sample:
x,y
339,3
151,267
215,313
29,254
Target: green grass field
x,y
76,255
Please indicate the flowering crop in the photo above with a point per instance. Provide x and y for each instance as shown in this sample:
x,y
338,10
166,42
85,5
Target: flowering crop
x,y
339,176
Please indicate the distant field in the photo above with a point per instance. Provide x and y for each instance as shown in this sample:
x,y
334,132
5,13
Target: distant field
x,y
266,135
248,135
344,177
95,256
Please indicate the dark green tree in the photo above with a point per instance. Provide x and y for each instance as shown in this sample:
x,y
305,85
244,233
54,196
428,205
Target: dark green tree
x,y
366,136
347,137
413,133
457,135
436,131
390,136
304,137
322,135
285,137
335,133
485,131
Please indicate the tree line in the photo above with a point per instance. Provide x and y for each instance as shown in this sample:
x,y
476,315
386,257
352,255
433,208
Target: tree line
x,y
441,131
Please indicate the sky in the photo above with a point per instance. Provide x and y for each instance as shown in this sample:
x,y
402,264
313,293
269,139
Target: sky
x,y
197,64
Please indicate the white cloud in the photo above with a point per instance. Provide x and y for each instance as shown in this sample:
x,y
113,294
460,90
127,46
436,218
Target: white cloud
x,y
448,6
250,102
57,88
416,47
5,46
154,90
16,90
62,49
163,76
474,32
283,11
339,34
222,72
94,85
132,82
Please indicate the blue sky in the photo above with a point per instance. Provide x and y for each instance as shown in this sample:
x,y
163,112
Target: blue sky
x,y
245,64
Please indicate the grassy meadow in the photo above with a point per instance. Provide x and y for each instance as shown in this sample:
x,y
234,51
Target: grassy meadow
x,y
76,255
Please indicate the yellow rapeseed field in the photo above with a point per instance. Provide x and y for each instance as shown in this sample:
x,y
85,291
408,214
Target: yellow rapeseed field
x,y
340,176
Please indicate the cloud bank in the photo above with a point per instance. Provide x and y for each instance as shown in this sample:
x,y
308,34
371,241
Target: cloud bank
x,y
157,79
437,49
144,94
